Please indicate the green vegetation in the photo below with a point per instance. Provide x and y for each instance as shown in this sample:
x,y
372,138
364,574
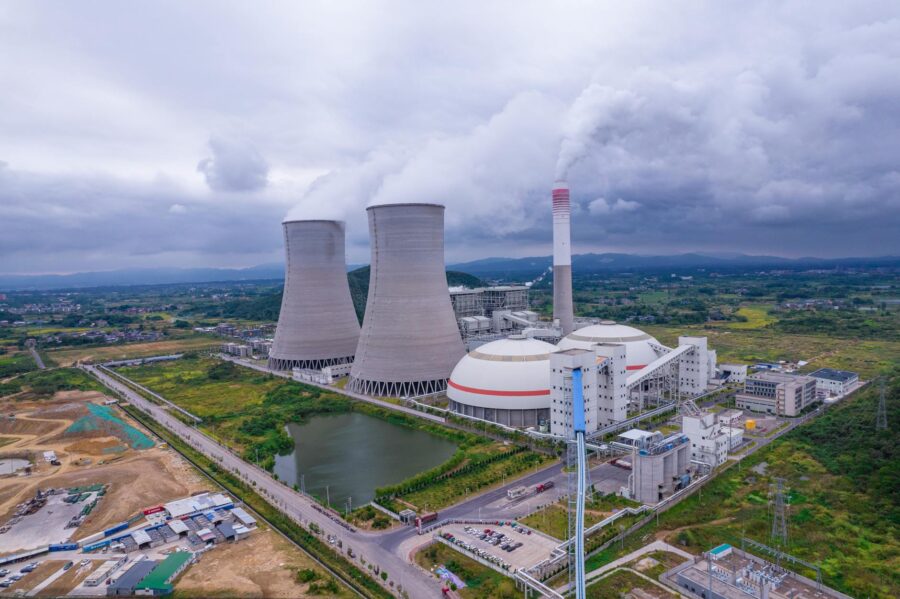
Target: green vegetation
x,y
553,519
843,481
481,581
41,384
620,584
307,540
11,365
752,317
248,410
471,469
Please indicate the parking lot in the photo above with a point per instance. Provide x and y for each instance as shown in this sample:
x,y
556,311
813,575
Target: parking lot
x,y
534,547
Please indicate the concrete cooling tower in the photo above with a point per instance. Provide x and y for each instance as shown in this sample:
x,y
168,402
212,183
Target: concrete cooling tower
x,y
409,341
317,326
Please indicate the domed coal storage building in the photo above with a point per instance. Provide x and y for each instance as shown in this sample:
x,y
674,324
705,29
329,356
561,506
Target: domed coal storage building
x,y
505,381
639,346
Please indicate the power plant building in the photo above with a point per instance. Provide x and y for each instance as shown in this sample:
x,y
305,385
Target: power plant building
x,y
317,326
641,348
563,308
505,381
660,467
603,384
409,342
777,393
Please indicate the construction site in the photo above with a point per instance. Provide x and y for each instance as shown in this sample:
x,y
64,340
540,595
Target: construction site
x,y
91,505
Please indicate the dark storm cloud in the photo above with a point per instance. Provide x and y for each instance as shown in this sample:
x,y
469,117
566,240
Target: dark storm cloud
x,y
762,127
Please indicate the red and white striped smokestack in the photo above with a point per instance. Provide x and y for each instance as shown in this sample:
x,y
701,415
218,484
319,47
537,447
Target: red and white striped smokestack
x,y
563,309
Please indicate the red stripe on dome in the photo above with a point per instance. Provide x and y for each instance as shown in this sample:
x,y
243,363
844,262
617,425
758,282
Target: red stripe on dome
x,y
636,367
498,393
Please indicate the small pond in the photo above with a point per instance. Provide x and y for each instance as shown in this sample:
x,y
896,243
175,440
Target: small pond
x,y
352,454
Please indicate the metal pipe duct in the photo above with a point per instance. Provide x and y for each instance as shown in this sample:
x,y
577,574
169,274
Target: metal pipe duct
x,y
317,326
409,341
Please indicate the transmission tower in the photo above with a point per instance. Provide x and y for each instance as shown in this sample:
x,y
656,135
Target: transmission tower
x,y
779,518
881,420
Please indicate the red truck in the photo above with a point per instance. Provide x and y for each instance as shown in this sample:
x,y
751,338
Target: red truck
x,y
426,518
544,486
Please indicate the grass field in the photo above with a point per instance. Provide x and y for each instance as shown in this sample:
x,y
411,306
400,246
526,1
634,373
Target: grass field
x,y
481,581
188,384
553,519
621,583
70,355
868,357
757,317
247,410
18,363
843,483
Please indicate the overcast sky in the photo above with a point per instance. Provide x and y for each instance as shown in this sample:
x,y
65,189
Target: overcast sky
x,y
182,133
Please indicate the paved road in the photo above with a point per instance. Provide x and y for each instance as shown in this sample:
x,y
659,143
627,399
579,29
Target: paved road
x,y
34,354
46,582
295,505
649,548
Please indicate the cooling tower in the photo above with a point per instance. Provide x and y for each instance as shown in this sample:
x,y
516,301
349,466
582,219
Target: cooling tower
x,y
317,326
409,341
562,259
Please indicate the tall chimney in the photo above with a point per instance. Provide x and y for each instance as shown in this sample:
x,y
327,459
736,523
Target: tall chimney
x,y
317,326
562,259
409,341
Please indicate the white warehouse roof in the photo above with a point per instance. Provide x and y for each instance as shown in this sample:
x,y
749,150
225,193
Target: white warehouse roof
x,y
511,374
638,352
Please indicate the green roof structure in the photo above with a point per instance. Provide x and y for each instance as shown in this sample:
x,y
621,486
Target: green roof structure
x,y
159,579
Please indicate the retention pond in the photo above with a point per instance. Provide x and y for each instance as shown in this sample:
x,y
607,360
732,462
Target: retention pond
x,y
349,455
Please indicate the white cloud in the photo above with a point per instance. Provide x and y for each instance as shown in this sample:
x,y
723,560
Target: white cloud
x,y
707,123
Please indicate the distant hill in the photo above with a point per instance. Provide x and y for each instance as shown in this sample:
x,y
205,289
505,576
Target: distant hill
x,y
515,268
530,267
140,276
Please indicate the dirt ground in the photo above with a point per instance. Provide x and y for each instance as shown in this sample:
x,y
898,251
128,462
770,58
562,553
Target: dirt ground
x,y
39,575
263,565
68,581
71,356
137,479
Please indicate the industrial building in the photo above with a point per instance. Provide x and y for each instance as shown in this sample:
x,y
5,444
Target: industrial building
x,y
604,387
505,381
490,311
834,383
726,572
660,467
777,393
409,342
159,580
317,326
710,444
563,308
733,373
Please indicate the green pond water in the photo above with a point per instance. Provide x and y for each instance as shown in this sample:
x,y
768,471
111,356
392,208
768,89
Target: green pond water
x,y
353,454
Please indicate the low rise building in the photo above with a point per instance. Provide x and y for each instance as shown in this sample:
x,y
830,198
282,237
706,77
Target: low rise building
x,y
124,585
733,373
777,393
709,443
834,383
159,580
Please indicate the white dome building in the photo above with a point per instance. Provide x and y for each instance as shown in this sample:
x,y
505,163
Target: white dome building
x,y
638,349
505,381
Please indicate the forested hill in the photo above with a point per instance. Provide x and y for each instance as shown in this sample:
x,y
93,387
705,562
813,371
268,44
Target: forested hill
x,y
266,306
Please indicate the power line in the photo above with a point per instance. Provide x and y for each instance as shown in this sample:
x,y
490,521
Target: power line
x,y
881,419
779,518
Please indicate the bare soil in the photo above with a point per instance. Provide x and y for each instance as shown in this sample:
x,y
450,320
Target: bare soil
x,y
263,565
68,581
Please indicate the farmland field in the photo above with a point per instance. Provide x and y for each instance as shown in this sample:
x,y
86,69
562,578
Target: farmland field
x,y
70,355
869,357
